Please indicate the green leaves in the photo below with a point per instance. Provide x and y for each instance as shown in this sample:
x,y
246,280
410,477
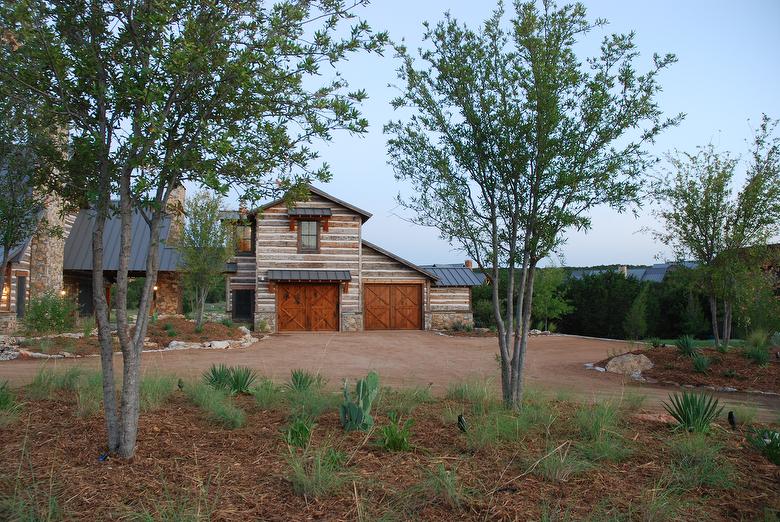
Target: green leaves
x,y
694,412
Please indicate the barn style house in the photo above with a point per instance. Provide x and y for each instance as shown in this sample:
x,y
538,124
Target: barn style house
x,y
307,267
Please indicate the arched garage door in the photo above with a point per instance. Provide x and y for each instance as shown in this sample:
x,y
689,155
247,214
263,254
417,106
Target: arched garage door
x,y
392,307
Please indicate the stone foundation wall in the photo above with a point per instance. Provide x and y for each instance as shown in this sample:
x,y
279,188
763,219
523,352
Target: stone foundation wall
x,y
351,322
446,320
169,294
8,322
267,320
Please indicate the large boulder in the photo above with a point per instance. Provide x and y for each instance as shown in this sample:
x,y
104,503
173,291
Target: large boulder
x,y
629,364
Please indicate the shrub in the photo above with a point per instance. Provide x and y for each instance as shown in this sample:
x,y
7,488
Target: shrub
x,y
758,354
87,325
686,345
701,363
216,403
227,322
299,432
50,313
758,339
302,380
317,475
768,443
730,373
460,326
9,408
632,400
395,436
89,394
693,412
267,394
155,390
696,463
655,342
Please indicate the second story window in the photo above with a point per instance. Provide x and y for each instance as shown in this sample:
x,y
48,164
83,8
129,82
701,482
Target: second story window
x,y
308,236
244,243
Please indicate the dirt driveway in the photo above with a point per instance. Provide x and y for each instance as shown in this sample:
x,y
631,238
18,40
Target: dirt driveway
x,y
554,363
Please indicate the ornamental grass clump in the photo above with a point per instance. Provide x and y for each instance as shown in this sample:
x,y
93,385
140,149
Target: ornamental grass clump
x,y
693,411
696,462
299,432
757,349
9,407
268,395
216,404
701,363
686,345
316,474
155,390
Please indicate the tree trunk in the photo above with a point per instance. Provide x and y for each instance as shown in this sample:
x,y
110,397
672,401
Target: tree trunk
x,y
521,343
726,323
101,305
200,294
714,319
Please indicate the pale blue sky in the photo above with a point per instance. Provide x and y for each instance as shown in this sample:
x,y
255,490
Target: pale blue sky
x,y
728,73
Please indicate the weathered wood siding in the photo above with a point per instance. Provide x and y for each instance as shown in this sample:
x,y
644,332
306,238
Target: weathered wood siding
x,y
379,268
451,306
277,248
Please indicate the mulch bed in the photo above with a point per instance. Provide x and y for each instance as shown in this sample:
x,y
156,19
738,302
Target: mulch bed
x,y
242,473
670,365
185,331
55,345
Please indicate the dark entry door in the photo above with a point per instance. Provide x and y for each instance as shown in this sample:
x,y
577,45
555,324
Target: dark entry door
x,y
85,298
243,305
21,295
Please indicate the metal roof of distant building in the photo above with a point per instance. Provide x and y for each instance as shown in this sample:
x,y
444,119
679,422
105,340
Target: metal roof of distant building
x,y
78,246
454,275
308,275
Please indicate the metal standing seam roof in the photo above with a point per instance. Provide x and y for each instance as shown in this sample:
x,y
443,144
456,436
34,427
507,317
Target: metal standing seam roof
x,y
308,275
454,275
310,212
78,246
364,215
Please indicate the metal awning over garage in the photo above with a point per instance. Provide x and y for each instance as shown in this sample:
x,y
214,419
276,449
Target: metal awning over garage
x,y
303,276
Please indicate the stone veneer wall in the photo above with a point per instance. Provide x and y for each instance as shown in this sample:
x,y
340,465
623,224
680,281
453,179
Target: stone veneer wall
x,y
446,320
169,294
8,322
451,306
47,252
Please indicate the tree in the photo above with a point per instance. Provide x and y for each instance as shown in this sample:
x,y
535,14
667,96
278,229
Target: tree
x,y
725,234
20,204
156,93
635,323
511,140
549,299
204,247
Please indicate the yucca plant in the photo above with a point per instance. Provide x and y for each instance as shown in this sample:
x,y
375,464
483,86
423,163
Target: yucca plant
x,y
217,376
299,432
768,443
241,379
701,363
302,380
686,345
693,412
395,436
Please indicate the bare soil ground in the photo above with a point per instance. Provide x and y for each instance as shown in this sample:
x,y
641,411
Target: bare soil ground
x,y
554,363
243,474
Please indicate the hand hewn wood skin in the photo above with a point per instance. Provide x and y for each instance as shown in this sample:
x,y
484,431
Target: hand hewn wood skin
x,y
307,307
393,307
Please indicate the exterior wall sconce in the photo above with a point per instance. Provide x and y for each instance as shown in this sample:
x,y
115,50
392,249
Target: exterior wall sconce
x,y
155,288
62,292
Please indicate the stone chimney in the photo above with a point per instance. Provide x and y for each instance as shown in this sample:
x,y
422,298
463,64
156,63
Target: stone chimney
x,y
623,269
47,250
176,211
468,263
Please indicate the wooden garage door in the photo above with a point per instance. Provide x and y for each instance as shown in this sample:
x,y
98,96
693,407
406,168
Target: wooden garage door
x,y
307,307
392,307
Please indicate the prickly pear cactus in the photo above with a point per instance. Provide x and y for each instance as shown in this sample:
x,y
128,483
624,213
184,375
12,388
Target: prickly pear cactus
x,y
355,413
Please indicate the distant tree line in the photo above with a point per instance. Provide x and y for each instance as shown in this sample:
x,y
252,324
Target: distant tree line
x,y
608,304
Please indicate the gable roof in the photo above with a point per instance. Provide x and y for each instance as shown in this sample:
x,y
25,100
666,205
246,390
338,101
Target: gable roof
x,y
399,259
364,214
78,246
454,275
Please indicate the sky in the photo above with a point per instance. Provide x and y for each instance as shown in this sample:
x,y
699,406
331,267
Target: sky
x,y
727,75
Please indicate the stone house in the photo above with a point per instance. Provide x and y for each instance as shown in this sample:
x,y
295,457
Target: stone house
x,y
308,268
63,264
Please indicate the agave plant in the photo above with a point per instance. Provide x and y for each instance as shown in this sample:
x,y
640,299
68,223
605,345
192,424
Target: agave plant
x,y
693,412
217,376
686,345
241,379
